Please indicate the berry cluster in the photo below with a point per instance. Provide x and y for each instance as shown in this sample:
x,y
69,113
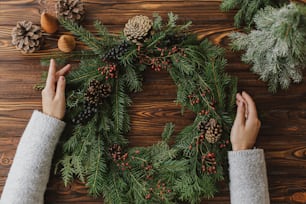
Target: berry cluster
x,y
89,110
224,144
161,190
109,71
163,61
114,54
193,99
209,163
118,157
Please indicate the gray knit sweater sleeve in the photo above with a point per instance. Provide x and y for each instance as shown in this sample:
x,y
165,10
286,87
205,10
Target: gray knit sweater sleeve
x,y
29,173
248,177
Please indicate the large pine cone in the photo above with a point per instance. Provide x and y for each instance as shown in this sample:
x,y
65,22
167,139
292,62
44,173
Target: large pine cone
x,y
70,9
213,131
137,28
97,91
27,37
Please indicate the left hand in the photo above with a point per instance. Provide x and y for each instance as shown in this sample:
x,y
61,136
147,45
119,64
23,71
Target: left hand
x,y
53,95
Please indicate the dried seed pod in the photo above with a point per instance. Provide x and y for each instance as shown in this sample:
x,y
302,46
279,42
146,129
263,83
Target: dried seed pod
x,y
48,23
66,43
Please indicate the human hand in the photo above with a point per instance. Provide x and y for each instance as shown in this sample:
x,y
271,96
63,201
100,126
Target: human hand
x,y
53,95
246,125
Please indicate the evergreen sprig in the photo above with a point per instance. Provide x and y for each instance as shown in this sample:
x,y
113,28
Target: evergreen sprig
x,y
247,9
96,152
276,49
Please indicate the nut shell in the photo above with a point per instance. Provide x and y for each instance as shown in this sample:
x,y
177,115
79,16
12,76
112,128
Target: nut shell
x,y
49,23
66,43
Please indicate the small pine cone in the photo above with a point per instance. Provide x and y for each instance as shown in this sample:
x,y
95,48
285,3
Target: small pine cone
x,y
201,127
27,37
137,28
70,9
116,52
106,90
89,110
213,131
96,92
115,152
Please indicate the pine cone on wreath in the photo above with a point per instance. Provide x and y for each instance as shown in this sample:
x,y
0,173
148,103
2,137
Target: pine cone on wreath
x,y
27,37
202,127
116,52
70,9
96,92
213,131
137,28
115,152
87,113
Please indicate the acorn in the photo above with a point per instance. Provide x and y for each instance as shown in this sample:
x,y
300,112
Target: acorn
x,y
49,23
66,43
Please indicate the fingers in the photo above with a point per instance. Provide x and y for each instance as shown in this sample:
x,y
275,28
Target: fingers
x,y
60,89
50,83
250,105
240,116
240,98
63,71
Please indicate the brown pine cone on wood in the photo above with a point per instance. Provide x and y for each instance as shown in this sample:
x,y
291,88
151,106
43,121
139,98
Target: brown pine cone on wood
x,y
27,37
70,9
137,28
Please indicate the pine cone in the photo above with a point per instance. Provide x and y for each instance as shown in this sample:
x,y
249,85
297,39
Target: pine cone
x,y
137,28
201,127
96,92
115,152
213,131
70,9
88,112
116,52
27,37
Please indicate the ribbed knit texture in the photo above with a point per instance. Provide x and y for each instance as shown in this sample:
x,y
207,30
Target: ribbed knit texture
x,y
248,177
29,173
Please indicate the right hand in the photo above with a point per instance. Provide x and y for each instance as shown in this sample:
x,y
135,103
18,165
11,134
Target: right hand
x,y
246,125
53,95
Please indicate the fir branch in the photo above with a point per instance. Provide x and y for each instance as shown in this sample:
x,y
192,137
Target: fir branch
x,y
168,131
276,49
97,173
132,79
84,35
157,23
120,102
247,9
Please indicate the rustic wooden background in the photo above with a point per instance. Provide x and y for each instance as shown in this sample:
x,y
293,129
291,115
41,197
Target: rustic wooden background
x,y
283,115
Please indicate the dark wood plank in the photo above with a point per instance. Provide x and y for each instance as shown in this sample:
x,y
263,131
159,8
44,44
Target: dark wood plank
x,y
283,115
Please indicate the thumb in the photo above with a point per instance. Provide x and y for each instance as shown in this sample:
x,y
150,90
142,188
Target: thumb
x,y
240,116
60,89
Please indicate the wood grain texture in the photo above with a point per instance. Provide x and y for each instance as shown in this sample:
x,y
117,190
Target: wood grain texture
x,y
283,115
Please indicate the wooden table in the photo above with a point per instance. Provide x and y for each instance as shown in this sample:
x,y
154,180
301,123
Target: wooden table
x,y
283,115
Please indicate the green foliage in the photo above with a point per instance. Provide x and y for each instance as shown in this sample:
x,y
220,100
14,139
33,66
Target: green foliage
x,y
159,173
247,9
276,49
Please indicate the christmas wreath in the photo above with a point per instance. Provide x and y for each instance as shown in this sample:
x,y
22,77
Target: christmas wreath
x,y
94,147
